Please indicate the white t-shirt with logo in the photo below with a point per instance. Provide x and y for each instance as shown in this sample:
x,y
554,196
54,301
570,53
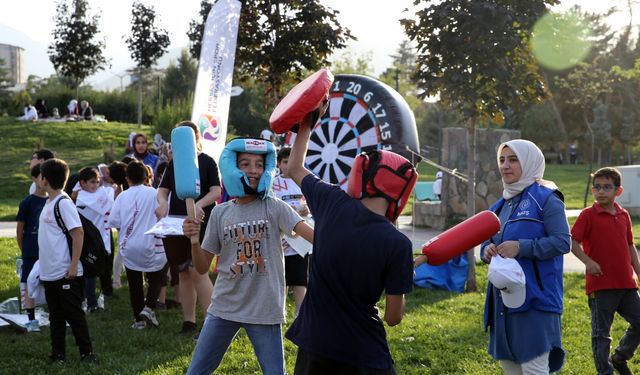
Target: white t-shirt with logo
x,y
133,213
96,207
287,190
54,251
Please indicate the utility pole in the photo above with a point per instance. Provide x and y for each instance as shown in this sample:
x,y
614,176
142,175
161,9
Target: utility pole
x,y
397,78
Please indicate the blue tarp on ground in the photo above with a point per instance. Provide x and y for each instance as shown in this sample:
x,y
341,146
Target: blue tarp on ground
x,y
450,276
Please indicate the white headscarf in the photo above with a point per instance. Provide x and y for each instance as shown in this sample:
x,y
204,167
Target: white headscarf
x,y
532,164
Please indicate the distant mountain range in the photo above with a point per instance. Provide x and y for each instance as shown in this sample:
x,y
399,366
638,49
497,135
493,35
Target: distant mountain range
x,y
37,61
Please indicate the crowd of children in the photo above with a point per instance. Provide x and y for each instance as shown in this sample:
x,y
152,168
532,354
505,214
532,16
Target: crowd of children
x,y
337,327
116,196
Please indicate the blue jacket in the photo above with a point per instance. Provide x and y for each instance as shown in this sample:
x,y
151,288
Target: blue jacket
x,y
543,275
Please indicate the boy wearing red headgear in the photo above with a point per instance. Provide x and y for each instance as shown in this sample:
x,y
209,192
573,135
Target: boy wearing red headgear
x,y
358,254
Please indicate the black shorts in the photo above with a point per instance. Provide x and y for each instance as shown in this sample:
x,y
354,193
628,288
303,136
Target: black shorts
x,y
178,251
296,270
311,364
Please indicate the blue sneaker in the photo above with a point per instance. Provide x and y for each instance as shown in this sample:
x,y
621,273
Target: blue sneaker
x,y
33,326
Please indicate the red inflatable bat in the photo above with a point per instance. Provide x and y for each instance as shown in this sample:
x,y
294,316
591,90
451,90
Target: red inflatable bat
x,y
462,237
305,97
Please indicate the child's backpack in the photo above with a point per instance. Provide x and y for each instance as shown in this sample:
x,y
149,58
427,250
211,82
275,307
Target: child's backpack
x,y
94,255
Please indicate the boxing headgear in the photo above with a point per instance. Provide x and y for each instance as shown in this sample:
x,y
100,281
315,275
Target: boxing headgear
x,y
235,181
383,174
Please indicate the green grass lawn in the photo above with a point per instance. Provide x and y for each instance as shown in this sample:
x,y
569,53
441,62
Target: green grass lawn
x,y
440,334
84,144
80,144
571,179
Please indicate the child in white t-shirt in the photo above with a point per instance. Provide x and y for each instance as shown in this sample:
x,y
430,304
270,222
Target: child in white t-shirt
x,y
133,214
94,203
296,267
60,269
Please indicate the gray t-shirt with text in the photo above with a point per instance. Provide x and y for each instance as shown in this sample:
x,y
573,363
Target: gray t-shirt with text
x,y
250,284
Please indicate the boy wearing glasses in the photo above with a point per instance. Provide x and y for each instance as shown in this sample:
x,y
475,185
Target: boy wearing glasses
x,y
603,241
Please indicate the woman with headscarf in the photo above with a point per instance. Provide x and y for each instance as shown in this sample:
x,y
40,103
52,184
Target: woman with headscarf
x,y
72,109
526,337
141,151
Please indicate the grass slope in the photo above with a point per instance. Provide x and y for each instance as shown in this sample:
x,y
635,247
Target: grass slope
x,y
83,144
440,334
80,144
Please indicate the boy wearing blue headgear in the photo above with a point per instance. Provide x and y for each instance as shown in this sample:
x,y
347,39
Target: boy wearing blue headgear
x,y
245,233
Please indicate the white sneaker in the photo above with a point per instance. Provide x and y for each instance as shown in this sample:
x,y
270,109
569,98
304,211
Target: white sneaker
x,y
149,316
139,325
33,326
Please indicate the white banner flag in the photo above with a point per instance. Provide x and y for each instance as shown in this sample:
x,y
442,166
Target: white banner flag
x,y
215,73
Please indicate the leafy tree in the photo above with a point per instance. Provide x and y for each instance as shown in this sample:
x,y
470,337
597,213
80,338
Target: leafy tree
x,y
601,128
248,112
278,40
538,125
180,79
75,53
4,85
582,88
351,62
431,118
399,75
600,36
147,43
475,55
629,134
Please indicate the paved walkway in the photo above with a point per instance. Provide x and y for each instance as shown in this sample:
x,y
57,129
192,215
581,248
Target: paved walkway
x,y
417,235
421,235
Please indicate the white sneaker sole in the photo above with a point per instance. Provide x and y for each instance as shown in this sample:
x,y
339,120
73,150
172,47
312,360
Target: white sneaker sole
x,y
150,319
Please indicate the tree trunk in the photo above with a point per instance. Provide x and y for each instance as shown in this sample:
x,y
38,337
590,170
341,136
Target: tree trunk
x,y
140,98
587,188
471,200
558,117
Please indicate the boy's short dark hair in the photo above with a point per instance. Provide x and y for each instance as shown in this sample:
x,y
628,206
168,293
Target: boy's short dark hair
x,y
44,154
609,172
137,172
118,172
56,172
35,171
88,173
284,152
127,159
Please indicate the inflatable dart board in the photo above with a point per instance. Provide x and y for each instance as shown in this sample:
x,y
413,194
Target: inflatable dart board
x,y
364,114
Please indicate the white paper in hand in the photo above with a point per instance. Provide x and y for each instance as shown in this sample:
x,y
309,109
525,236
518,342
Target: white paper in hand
x,y
299,244
167,226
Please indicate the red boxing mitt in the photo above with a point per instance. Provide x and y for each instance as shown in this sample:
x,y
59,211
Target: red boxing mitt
x,y
462,237
305,97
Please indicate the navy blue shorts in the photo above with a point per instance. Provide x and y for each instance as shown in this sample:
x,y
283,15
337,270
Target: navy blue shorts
x,y
296,270
27,266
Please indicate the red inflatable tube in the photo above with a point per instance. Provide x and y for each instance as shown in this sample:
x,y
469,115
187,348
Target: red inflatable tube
x,y
305,97
462,237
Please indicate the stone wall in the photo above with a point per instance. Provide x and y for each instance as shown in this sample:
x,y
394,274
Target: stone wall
x,y
488,180
453,208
